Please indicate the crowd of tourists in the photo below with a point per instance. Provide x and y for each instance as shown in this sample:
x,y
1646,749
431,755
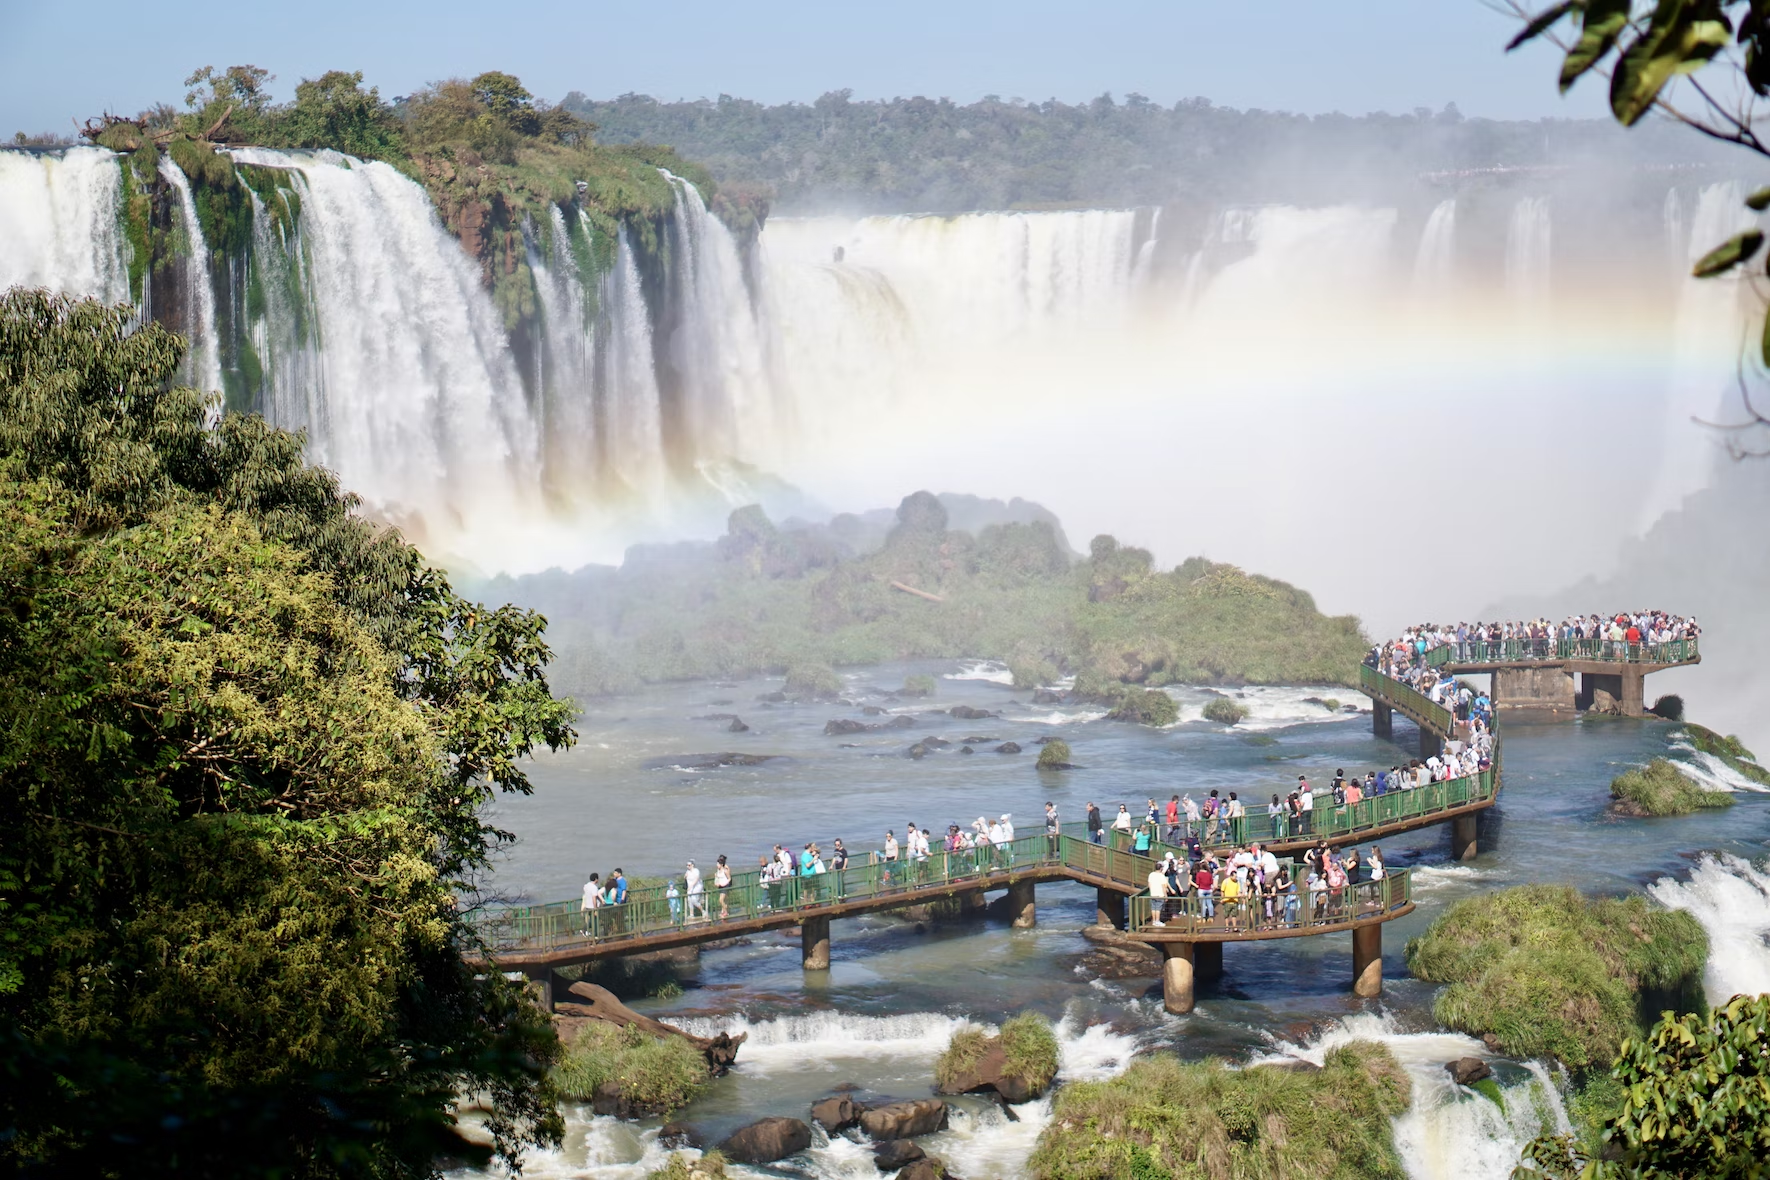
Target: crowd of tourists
x,y
1252,889
1626,635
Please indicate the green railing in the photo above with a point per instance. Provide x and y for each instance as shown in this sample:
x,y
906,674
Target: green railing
x,y
1603,651
651,910
1328,820
1415,704
1194,913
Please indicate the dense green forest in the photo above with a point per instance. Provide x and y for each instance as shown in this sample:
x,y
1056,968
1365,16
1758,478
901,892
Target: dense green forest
x,y
862,590
248,737
923,154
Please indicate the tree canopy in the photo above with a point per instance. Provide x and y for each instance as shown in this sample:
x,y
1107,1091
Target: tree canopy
x,y
248,738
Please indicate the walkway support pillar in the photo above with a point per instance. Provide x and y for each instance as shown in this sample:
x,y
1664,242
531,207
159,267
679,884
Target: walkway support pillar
x,y
1109,908
1367,960
1633,691
1462,837
1431,745
1022,911
973,901
539,981
1382,720
1207,959
814,943
1177,969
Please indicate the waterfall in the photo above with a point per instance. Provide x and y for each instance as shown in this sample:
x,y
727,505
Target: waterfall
x,y
1527,256
635,452
204,362
1435,263
423,409
59,210
1731,898
566,357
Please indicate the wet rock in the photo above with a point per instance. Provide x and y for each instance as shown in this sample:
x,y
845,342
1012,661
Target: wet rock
x,y
767,1140
706,761
844,725
676,1136
893,1154
978,741
926,1168
717,717
917,751
1603,702
934,743
986,1075
901,721
1491,1041
966,750
873,711
1466,1071
1120,962
775,697
1045,696
967,713
904,1120
1008,748
836,1113
737,726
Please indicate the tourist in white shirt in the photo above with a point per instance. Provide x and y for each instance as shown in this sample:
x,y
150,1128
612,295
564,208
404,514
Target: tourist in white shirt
x,y
697,890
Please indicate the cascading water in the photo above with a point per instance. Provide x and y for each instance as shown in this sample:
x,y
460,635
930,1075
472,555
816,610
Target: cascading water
x,y
204,363
1731,898
1527,255
59,210
1435,261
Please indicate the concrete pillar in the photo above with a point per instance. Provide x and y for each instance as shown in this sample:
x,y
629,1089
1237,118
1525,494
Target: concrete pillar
x,y
1382,719
1367,960
1021,909
1177,977
1633,687
1207,958
814,943
539,982
1549,686
973,902
1109,908
1462,837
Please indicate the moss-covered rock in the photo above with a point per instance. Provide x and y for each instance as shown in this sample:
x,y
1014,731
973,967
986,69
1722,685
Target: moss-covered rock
x,y
683,1166
1163,1117
1549,972
812,682
1019,1063
1225,711
1146,706
1055,755
1660,788
629,1072
919,685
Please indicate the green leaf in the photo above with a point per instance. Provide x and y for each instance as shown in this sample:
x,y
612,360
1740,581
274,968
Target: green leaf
x,y
1600,25
1759,201
1729,254
1765,346
1674,43
1539,24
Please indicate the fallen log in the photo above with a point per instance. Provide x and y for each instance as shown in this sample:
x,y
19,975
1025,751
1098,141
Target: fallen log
x,y
600,1004
916,592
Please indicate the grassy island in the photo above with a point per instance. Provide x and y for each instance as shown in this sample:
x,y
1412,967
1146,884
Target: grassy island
x,y
1660,788
654,1075
1165,1117
913,585
1548,972
1019,1063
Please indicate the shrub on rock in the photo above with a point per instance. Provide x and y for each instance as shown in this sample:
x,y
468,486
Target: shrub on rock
x,y
1055,755
1146,706
1225,711
812,682
919,685
1660,788
1019,1063
630,1071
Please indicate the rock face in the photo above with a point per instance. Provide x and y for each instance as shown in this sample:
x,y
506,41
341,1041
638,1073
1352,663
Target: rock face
x,y
904,1120
836,1113
600,1004
895,1153
767,1140
1466,1071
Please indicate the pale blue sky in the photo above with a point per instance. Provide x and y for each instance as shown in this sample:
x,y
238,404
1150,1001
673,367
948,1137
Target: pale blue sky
x,y
61,60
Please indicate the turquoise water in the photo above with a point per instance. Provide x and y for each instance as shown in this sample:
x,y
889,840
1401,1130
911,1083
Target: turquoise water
x,y
895,992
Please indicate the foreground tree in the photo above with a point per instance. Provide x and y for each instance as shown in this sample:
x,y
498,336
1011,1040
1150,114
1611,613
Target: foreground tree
x,y
247,740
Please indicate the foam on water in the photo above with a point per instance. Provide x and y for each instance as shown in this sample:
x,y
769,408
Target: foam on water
x,y
787,1042
1273,706
1711,772
1448,1133
1731,898
1427,878
993,671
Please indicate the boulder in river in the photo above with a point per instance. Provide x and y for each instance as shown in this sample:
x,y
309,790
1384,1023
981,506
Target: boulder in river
x,y
904,1120
893,1154
737,726
1008,748
844,725
676,1136
706,761
966,750
927,1168
598,1003
917,751
1466,1071
967,713
836,1113
767,1140
1045,696
901,721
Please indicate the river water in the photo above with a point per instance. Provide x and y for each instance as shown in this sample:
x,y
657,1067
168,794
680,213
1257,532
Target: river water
x,y
895,992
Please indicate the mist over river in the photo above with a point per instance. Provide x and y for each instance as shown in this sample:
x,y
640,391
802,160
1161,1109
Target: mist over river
x,y
895,993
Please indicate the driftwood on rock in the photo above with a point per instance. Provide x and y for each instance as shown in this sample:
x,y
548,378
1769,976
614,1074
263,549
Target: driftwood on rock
x,y
916,592
599,1004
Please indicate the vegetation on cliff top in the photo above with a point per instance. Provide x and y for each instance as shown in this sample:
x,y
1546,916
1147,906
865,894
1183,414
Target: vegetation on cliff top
x,y
765,600
1205,1120
1660,789
248,740
1552,973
